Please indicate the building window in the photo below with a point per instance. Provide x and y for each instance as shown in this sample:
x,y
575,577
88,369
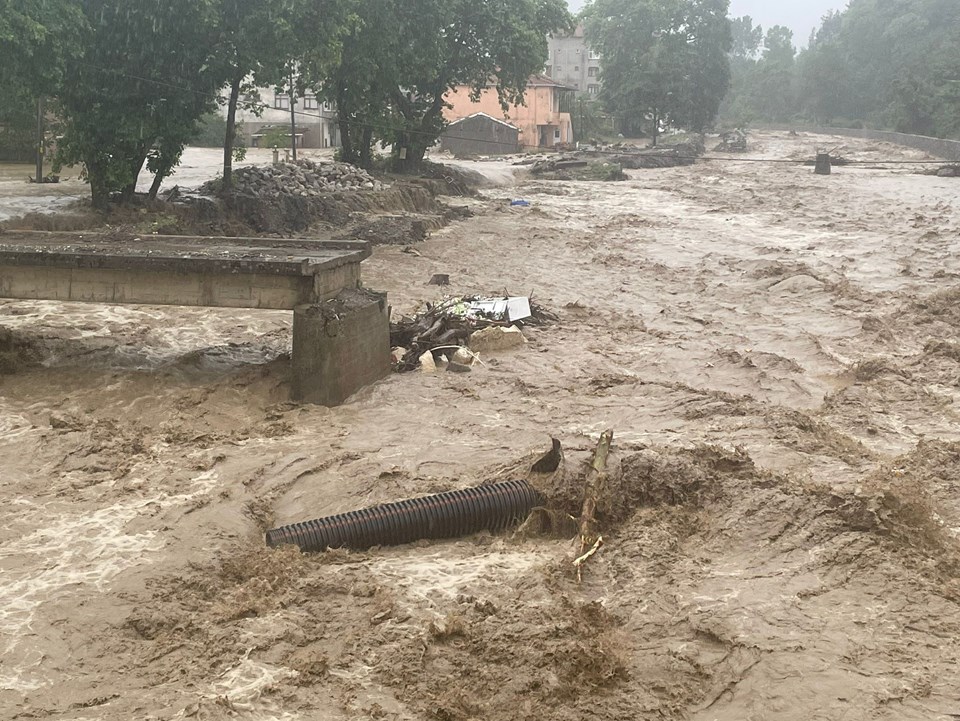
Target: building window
x,y
578,51
576,68
594,55
559,70
556,134
310,102
592,72
593,89
281,102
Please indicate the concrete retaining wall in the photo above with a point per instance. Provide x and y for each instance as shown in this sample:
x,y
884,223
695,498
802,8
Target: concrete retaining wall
x,y
946,149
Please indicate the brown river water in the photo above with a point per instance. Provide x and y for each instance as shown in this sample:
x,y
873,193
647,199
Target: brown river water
x,y
776,352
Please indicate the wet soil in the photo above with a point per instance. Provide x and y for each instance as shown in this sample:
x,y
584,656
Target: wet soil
x,y
775,350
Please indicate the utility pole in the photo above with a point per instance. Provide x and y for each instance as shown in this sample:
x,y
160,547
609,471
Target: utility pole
x,y
293,118
40,148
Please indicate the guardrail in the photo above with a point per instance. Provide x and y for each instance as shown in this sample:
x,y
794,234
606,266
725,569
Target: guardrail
x,y
946,149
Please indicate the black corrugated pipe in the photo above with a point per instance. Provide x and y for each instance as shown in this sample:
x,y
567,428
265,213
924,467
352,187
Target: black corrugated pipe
x,y
446,515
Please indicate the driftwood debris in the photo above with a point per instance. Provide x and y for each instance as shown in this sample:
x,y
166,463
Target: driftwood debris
x,y
734,141
595,488
549,461
441,326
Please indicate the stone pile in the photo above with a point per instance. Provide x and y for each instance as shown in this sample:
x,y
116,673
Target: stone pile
x,y
304,178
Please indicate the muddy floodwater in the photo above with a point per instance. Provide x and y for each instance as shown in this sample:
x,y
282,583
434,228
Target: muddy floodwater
x,y
776,352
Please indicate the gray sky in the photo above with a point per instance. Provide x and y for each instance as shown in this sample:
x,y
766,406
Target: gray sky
x,y
801,16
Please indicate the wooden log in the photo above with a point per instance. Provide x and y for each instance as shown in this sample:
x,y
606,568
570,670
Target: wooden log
x,y
595,488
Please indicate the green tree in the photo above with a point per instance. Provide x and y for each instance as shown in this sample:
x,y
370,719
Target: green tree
x,y
359,83
280,43
37,40
746,37
887,63
137,90
738,105
665,62
775,97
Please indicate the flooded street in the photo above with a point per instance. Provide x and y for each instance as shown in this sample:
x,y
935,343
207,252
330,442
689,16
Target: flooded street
x,y
776,352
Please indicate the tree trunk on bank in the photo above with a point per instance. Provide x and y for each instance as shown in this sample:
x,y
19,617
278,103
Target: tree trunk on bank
x,y
411,163
348,153
231,135
656,129
157,181
130,189
366,149
99,193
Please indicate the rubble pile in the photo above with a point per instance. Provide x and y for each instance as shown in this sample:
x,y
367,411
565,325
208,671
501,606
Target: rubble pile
x,y
305,178
458,328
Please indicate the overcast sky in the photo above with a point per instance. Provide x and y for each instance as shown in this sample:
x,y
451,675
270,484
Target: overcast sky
x,y
801,16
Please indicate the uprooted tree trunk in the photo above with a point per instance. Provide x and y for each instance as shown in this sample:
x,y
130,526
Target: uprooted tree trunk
x,y
595,488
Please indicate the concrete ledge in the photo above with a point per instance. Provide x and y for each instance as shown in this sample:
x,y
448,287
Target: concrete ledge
x,y
165,270
340,346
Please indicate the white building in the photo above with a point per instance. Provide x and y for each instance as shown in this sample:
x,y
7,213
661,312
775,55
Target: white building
x,y
316,120
572,63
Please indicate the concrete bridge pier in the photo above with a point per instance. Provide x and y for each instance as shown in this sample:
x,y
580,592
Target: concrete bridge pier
x,y
339,346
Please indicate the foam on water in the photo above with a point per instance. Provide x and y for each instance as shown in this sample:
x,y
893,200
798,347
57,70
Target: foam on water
x,y
66,552
239,693
437,576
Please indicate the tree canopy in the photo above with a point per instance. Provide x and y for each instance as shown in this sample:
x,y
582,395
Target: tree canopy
x,y
665,62
136,89
404,57
37,39
885,63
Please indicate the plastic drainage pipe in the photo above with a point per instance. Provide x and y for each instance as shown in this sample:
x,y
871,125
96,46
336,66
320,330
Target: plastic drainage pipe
x,y
492,508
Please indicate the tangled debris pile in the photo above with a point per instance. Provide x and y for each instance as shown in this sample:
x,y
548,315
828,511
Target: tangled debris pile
x,y
303,177
674,155
734,141
458,328
577,166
